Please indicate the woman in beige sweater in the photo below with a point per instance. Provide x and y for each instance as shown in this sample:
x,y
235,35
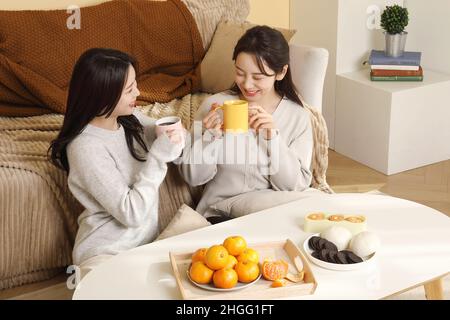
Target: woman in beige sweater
x,y
115,162
276,153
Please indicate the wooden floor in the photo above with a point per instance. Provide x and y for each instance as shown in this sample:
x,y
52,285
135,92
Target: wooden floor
x,y
428,185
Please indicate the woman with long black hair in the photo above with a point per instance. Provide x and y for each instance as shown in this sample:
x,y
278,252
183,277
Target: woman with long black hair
x,y
114,161
276,118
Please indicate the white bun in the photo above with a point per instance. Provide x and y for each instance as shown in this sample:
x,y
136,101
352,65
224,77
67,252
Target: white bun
x,y
340,236
364,244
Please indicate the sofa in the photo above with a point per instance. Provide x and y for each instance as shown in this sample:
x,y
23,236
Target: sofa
x,y
38,214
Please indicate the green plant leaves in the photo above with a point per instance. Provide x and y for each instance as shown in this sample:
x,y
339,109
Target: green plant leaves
x,y
394,19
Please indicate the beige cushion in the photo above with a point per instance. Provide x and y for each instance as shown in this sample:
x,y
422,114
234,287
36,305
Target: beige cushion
x,y
217,67
255,201
186,219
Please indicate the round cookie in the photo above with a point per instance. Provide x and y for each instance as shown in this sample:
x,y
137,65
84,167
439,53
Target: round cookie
x,y
321,243
331,256
341,258
314,243
351,257
330,246
315,254
323,254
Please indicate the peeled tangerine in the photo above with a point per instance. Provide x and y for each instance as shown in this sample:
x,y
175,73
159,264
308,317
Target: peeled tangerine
x,y
274,270
340,236
364,244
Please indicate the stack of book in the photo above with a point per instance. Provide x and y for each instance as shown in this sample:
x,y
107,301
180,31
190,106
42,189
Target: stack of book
x,y
404,68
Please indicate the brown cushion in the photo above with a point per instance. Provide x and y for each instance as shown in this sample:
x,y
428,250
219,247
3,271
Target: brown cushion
x,y
217,68
38,51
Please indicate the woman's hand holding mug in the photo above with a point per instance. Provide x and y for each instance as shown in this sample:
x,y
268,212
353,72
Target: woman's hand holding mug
x,y
175,136
213,122
261,119
173,128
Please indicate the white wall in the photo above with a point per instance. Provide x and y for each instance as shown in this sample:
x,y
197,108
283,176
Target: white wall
x,y
429,32
342,27
273,13
356,35
316,25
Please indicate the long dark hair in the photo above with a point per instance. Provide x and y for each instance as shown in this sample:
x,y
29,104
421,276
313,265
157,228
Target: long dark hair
x,y
268,45
95,89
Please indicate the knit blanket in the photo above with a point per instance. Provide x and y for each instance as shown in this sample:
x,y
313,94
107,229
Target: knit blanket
x,y
38,50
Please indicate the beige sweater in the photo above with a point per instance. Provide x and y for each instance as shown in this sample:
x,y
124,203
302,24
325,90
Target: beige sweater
x,y
282,163
119,193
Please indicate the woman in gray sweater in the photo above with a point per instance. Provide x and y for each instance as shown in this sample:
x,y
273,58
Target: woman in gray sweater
x,y
114,161
276,117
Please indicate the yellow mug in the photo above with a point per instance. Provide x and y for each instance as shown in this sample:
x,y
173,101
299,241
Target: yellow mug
x,y
235,115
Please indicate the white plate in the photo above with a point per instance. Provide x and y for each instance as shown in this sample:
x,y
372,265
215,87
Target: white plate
x,y
334,266
211,287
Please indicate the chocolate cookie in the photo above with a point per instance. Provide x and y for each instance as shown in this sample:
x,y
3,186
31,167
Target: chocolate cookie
x,y
331,256
322,242
341,258
314,243
351,257
330,246
323,254
315,254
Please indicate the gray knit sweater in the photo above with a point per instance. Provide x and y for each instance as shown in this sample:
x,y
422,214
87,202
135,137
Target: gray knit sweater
x,y
119,193
290,153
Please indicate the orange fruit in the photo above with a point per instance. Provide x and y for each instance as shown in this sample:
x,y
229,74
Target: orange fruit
x,y
278,283
249,255
235,245
231,262
216,257
225,278
200,273
247,271
274,270
199,255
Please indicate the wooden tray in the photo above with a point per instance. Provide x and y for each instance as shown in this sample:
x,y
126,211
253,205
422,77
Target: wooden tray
x,y
262,289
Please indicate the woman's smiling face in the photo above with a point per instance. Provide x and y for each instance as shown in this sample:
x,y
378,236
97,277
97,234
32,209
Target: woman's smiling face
x,y
253,82
130,92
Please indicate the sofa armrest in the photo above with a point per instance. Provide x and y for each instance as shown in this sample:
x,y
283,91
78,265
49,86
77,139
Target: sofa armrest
x,y
308,67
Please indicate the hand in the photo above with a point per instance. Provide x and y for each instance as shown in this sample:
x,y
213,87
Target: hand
x,y
261,119
176,136
213,122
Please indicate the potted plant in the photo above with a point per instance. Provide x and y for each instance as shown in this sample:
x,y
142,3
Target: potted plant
x,y
394,19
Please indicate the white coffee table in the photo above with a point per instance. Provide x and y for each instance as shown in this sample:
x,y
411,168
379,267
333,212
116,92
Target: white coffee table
x,y
415,251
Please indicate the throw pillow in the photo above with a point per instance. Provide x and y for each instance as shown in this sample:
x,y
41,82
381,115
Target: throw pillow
x,y
217,67
255,201
186,219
